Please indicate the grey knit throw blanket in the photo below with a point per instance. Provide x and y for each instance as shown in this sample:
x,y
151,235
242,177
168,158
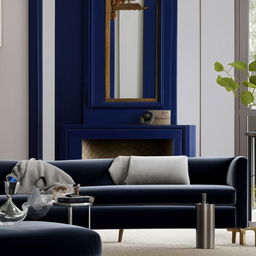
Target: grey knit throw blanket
x,y
40,174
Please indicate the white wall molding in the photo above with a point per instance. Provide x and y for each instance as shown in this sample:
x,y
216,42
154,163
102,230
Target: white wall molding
x,y
188,76
48,80
206,34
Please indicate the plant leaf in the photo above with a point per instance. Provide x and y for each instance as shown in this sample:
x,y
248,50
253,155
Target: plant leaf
x,y
227,82
252,66
249,84
252,79
245,83
247,98
238,65
220,81
218,67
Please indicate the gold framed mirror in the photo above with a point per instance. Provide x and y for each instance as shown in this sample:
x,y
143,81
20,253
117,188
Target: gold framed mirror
x,y
124,53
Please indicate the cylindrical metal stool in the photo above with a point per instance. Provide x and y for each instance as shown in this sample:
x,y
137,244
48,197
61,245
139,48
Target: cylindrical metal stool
x,y
205,233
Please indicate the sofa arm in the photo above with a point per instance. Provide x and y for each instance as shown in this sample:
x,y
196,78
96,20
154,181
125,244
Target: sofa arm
x,y
238,178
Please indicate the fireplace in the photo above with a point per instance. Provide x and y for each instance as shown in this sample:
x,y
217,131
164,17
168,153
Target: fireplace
x,y
106,142
92,149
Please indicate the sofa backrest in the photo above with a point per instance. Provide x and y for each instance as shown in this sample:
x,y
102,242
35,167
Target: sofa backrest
x,y
94,172
90,172
209,170
86,172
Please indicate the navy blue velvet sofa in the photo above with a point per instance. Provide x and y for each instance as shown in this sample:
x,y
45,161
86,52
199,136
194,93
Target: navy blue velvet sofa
x,y
225,180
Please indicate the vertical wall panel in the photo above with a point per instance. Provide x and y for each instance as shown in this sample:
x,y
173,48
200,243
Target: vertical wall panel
x,y
206,34
69,63
14,80
188,76
217,105
48,80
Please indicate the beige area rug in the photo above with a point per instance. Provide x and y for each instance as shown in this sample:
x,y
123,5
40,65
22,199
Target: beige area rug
x,y
171,243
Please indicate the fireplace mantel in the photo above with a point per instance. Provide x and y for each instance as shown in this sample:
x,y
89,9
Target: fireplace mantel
x,y
72,136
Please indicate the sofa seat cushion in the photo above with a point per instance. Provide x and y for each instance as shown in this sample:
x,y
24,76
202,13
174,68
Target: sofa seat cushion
x,y
152,194
160,194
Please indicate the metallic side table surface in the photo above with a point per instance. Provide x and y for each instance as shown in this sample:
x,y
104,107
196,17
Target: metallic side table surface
x,y
70,209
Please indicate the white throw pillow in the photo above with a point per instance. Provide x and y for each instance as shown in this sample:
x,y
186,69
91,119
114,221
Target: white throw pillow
x,y
119,169
158,170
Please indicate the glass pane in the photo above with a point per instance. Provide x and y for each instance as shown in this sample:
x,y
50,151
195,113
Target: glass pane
x,y
251,122
129,53
251,126
252,30
252,36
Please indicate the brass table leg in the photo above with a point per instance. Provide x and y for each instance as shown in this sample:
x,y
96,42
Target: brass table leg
x,y
120,235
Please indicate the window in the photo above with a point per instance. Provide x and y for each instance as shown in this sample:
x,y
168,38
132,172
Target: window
x,y
252,30
251,119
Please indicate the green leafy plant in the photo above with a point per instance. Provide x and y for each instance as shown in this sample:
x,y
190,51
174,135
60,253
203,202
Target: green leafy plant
x,y
231,84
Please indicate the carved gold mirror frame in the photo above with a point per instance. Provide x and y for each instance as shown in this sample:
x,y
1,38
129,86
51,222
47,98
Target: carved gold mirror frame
x,y
109,15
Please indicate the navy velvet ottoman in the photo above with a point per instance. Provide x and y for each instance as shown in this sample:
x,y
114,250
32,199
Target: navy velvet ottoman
x,y
45,238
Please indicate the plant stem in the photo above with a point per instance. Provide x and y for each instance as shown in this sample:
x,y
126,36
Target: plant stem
x,y
227,72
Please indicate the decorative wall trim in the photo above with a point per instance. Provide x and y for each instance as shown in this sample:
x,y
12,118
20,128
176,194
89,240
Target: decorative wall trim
x,y
48,98
35,78
200,79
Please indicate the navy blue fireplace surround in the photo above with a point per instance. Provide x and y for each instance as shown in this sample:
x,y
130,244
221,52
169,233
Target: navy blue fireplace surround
x,y
81,111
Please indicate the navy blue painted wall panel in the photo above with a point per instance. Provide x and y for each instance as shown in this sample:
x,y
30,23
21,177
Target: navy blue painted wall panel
x,y
69,66
112,60
150,47
35,80
95,105
80,51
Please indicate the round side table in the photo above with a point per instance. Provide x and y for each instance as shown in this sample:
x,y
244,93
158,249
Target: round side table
x,y
70,209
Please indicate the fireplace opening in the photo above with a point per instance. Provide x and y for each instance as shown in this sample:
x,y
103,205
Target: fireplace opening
x,y
92,149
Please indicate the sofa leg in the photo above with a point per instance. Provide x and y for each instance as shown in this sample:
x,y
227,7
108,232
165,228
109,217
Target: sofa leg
x,y
233,237
120,235
241,233
242,237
